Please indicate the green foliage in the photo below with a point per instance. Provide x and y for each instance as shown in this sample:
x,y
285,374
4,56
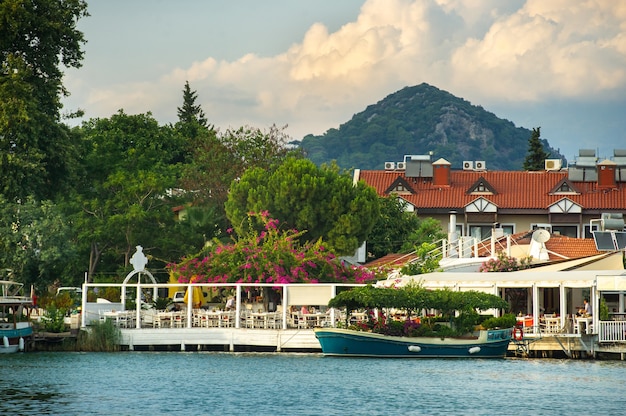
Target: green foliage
x,y
458,310
38,38
53,319
428,231
130,163
33,241
536,155
507,320
427,260
504,263
391,229
421,118
161,303
321,202
271,255
190,116
100,337
604,310
415,298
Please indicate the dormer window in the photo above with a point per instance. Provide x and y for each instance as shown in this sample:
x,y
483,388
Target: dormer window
x,y
400,186
564,187
481,187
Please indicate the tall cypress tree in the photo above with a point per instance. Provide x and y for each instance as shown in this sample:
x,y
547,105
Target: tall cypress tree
x,y
191,118
536,155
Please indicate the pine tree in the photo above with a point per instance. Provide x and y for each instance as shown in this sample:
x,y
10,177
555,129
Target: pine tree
x,y
536,155
190,112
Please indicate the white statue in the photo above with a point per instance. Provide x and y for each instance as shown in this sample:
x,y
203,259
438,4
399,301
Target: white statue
x,y
139,260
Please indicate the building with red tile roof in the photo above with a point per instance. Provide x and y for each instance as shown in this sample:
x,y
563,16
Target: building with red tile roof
x,y
563,201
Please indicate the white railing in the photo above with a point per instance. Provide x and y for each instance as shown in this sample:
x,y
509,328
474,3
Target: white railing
x,y
612,331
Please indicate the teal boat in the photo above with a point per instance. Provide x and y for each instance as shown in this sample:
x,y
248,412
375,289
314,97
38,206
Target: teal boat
x,y
383,336
15,326
491,343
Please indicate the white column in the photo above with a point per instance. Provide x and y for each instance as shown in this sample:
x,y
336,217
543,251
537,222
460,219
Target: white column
x,y
138,303
238,306
535,291
562,304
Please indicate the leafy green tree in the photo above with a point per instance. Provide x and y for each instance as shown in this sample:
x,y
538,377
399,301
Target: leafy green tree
x,y
215,160
392,228
536,155
427,260
322,202
252,147
428,231
38,37
125,198
35,241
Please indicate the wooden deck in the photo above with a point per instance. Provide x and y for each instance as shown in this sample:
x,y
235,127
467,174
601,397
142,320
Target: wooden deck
x,y
303,340
220,339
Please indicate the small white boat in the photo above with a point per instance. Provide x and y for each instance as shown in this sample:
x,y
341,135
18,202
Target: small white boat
x,y
15,326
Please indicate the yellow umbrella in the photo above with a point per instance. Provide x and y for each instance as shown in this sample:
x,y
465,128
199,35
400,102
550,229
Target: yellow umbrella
x,y
171,291
197,297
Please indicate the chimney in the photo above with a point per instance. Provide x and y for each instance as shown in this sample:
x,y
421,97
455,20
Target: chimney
x,y
606,174
441,173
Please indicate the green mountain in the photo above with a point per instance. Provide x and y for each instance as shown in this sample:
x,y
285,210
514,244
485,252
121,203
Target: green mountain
x,y
419,120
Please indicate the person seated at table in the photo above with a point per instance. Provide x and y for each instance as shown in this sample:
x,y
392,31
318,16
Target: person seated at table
x,y
586,309
304,310
230,303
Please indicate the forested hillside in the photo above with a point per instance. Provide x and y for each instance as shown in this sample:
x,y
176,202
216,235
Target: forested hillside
x,y
418,120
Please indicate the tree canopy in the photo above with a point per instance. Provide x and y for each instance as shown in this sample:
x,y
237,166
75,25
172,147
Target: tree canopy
x,y
320,202
38,38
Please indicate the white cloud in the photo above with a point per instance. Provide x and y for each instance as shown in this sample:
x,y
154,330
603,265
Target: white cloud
x,y
548,49
487,51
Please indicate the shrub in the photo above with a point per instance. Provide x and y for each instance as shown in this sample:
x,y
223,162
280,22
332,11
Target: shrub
x,y
101,336
505,321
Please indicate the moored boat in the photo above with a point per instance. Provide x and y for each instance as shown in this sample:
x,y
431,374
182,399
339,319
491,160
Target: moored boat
x,y
491,343
15,326
458,332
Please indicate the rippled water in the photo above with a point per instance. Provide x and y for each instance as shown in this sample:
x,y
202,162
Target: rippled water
x,y
191,383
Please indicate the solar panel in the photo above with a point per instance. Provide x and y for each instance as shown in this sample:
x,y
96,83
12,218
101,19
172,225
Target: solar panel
x,y
604,240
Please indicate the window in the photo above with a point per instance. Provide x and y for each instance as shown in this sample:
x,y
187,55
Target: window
x,y
565,230
482,232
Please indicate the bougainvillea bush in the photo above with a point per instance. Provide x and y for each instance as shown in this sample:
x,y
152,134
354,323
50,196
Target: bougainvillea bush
x,y
504,263
268,255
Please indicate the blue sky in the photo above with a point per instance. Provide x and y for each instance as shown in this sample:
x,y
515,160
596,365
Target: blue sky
x,y
559,65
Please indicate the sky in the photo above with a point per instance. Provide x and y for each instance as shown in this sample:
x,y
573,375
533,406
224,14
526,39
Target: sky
x,y
311,65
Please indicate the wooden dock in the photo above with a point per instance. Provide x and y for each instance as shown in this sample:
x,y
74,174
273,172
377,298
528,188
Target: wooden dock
x,y
220,339
303,340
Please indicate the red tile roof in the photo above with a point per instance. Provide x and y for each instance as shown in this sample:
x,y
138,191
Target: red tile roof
x,y
559,248
563,246
515,190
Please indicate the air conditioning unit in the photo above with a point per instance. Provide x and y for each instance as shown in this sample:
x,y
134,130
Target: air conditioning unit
x,y
553,164
401,165
480,165
390,165
468,165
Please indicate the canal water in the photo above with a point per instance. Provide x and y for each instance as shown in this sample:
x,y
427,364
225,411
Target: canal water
x,y
192,383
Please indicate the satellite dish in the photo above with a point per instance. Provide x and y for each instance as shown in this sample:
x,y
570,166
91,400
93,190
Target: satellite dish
x,y
541,235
